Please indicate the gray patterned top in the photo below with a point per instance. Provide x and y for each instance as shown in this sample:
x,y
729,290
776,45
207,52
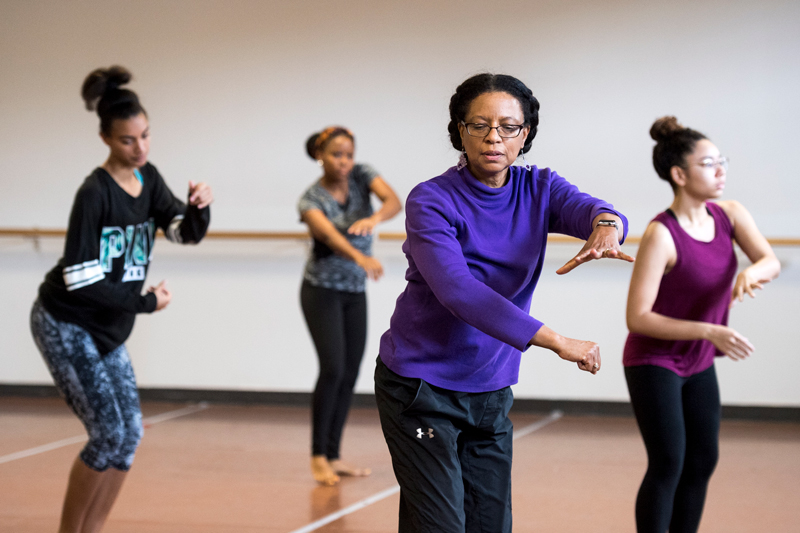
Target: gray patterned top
x,y
324,267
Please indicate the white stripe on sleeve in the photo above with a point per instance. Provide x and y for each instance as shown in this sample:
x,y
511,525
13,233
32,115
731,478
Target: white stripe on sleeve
x,y
173,232
77,276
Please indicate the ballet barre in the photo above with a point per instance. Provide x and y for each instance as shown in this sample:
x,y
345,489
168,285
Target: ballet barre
x,y
35,233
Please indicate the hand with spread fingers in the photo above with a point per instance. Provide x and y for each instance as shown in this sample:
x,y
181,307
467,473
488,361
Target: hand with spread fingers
x,y
746,282
603,243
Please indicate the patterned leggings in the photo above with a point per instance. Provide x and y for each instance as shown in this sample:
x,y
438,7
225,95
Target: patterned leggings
x,y
100,390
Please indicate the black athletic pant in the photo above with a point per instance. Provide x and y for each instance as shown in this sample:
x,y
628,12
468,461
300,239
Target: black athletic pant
x,y
337,321
679,420
451,453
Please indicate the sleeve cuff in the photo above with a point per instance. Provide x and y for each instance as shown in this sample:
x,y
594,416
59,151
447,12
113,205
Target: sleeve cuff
x,y
532,332
150,301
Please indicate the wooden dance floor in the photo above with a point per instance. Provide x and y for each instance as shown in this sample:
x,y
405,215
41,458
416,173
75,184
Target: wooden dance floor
x,y
244,468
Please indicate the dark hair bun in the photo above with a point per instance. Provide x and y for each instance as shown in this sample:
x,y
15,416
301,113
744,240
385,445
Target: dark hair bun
x,y
101,81
311,146
102,90
664,128
673,143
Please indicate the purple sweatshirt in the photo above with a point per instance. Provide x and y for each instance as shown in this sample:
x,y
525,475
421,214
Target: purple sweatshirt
x,y
474,256
697,288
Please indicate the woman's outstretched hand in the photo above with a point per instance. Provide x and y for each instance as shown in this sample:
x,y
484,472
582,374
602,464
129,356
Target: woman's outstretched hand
x,y
364,226
730,342
603,243
585,353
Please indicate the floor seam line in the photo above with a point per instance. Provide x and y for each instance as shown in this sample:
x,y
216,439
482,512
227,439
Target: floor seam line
x,y
146,422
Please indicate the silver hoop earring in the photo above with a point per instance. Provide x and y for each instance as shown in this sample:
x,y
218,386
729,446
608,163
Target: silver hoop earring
x,y
462,160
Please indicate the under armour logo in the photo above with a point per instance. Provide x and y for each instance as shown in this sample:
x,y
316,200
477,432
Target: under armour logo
x,y
420,433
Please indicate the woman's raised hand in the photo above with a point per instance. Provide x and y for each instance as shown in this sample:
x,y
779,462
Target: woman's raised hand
x,y
746,282
200,194
163,295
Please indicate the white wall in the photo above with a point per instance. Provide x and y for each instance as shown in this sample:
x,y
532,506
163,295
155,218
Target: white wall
x,y
233,88
235,323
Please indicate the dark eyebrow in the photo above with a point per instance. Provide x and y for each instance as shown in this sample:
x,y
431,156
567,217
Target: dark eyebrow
x,y
486,119
146,131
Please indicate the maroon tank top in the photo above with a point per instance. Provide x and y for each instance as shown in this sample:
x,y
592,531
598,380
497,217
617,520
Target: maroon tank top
x,y
697,288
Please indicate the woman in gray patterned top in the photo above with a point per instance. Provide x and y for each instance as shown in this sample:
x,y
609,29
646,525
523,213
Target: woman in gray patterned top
x,y
341,220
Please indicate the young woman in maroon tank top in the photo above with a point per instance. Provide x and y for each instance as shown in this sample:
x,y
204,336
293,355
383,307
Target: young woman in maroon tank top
x,y
677,315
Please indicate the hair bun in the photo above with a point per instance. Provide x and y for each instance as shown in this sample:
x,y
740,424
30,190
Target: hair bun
x,y
664,128
673,143
101,81
311,146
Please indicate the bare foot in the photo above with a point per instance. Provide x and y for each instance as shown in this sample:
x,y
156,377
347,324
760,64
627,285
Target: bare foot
x,y
344,469
322,471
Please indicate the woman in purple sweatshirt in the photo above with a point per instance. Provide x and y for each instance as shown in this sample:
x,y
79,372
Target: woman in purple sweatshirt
x,y
677,314
475,249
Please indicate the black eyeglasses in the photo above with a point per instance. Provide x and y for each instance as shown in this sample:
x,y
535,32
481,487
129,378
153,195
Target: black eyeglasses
x,y
506,131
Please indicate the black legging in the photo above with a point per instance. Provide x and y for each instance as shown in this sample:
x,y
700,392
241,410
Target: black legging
x,y
679,421
337,321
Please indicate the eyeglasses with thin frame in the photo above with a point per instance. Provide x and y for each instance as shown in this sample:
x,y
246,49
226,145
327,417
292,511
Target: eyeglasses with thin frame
x,y
506,131
711,163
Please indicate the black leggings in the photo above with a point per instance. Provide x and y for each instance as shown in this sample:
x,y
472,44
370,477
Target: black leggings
x,y
679,420
337,321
